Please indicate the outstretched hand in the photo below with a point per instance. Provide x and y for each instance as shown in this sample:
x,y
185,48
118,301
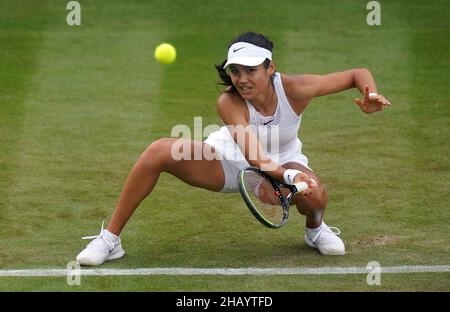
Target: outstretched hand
x,y
373,103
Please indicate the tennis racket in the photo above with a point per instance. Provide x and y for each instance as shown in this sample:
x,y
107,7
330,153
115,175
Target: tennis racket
x,y
267,198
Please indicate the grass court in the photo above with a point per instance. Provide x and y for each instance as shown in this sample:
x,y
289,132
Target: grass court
x,y
78,104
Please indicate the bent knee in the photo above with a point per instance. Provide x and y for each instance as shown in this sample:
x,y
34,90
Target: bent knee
x,y
157,153
317,200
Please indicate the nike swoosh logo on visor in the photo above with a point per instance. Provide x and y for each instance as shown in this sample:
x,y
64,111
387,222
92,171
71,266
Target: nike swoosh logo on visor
x,y
235,50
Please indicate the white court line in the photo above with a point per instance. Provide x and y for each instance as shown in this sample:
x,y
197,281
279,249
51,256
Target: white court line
x,y
228,271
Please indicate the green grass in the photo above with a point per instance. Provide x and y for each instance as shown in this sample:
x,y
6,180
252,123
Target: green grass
x,y
389,282
79,104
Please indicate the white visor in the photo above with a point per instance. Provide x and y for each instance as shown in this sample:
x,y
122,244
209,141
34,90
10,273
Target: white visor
x,y
244,53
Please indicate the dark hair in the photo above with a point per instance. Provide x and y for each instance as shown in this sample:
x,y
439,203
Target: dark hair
x,y
250,37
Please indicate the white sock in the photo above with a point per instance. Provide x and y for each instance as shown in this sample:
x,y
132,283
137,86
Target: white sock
x,y
114,238
312,233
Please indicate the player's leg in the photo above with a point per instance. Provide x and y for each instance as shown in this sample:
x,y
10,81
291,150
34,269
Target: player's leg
x,y
312,205
318,234
158,157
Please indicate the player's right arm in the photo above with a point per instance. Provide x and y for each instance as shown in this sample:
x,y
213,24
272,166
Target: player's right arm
x,y
234,113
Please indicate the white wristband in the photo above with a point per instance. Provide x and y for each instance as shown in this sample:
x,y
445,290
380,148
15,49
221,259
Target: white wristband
x,y
289,175
371,94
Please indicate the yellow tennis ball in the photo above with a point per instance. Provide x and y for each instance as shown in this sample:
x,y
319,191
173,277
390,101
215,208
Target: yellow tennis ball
x,y
165,53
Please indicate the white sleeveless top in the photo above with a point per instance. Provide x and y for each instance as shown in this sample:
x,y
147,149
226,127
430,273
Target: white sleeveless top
x,y
281,128
277,134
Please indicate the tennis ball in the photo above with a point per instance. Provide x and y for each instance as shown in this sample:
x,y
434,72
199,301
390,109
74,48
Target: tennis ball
x,y
165,53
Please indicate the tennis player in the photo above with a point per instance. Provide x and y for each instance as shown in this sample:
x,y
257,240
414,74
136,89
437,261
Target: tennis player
x,y
256,95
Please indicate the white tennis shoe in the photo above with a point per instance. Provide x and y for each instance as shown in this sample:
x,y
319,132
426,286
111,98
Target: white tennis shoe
x,y
105,246
324,239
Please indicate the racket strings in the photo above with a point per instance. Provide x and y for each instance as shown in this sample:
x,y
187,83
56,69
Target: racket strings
x,y
264,197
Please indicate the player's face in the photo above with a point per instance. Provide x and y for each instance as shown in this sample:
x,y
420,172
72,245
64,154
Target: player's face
x,y
250,81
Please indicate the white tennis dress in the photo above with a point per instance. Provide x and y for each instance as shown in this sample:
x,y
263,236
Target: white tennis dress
x,y
277,135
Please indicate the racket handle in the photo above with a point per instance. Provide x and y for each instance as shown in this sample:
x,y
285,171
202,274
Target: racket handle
x,y
301,186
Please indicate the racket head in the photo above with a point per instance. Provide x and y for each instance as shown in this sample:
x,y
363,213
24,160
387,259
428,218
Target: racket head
x,y
264,197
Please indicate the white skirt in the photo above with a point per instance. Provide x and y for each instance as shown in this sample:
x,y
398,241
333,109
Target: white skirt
x,y
233,161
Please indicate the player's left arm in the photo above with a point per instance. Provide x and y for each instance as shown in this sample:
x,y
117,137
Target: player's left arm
x,y
311,86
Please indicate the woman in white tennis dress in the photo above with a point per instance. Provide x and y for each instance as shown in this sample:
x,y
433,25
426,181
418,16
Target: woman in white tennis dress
x,y
261,109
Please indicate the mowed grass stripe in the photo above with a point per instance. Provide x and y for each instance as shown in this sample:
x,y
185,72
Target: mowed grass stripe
x,y
85,121
19,49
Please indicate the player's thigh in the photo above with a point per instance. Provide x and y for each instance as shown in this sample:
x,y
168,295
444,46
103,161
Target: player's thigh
x,y
194,162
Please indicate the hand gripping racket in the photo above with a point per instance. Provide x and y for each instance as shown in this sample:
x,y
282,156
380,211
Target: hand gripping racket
x,y
267,198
